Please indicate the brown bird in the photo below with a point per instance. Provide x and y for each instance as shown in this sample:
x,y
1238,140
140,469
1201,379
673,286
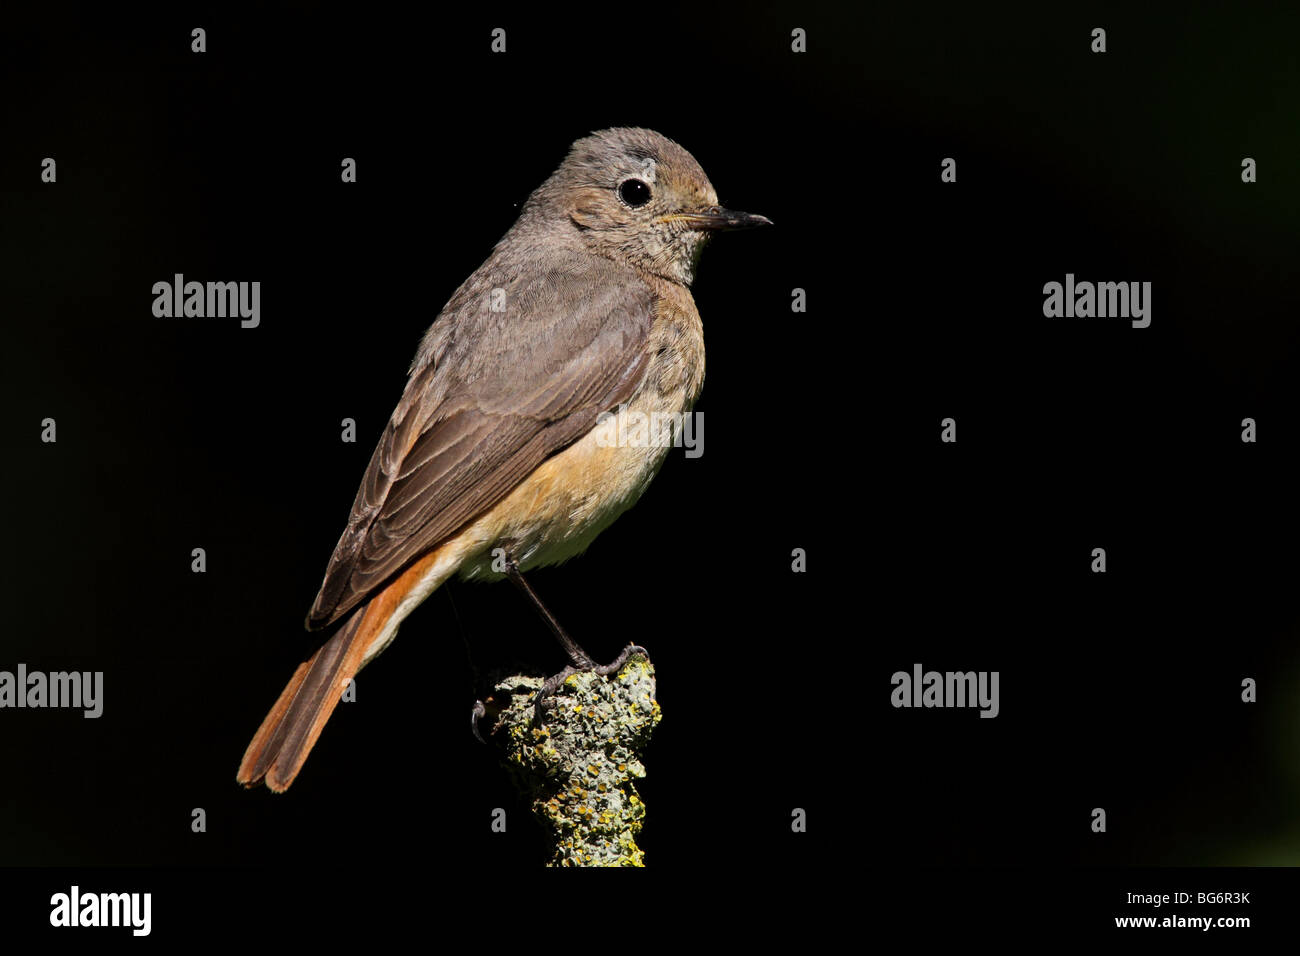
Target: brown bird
x,y
500,456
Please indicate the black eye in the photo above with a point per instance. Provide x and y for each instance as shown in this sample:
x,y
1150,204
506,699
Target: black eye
x,y
634,192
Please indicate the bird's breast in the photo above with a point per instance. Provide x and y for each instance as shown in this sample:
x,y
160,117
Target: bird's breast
x,y
558,510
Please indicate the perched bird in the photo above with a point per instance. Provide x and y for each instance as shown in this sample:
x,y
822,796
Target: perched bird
x,y
499,457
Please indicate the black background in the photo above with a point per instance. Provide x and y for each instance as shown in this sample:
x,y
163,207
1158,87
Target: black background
x,y
1119,690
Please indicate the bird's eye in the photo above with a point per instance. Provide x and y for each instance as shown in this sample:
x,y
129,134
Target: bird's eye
x,y
634,192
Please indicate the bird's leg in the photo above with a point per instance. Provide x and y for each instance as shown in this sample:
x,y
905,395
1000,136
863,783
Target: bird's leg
x,y
577,656
579,659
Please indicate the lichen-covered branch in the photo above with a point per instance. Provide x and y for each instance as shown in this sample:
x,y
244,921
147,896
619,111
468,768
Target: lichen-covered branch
x,y
578,766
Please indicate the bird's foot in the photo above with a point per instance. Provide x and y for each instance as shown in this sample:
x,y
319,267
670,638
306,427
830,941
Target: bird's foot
x,y
479,712
553,682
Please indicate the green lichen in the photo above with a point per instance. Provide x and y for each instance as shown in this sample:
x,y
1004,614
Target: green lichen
x,y
579,768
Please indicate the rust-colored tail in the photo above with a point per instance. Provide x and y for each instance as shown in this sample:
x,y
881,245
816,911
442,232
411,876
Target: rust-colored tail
x,y
290,730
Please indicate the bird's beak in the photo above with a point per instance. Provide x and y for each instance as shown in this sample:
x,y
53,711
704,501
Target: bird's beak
x,y
715,218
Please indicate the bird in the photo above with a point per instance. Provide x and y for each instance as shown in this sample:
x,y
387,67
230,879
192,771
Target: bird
x,y
503,453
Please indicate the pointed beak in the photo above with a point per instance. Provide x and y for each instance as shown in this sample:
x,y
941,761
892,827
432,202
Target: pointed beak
x,y
716,219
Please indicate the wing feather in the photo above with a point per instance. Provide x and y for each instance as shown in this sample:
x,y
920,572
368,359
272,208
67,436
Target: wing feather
x,y
501,393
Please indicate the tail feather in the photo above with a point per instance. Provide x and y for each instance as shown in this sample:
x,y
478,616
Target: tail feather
x,y
289,731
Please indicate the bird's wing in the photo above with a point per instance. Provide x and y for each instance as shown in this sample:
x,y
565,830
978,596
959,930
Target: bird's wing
x,y
501,392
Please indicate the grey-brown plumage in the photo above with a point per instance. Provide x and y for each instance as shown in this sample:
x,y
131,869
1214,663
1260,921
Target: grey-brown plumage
x,y
582,307
466,432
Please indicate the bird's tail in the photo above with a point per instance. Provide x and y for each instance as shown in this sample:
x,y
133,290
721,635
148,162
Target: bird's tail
x,y
290,730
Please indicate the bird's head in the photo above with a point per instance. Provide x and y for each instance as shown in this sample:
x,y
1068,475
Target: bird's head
x,y
635,196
